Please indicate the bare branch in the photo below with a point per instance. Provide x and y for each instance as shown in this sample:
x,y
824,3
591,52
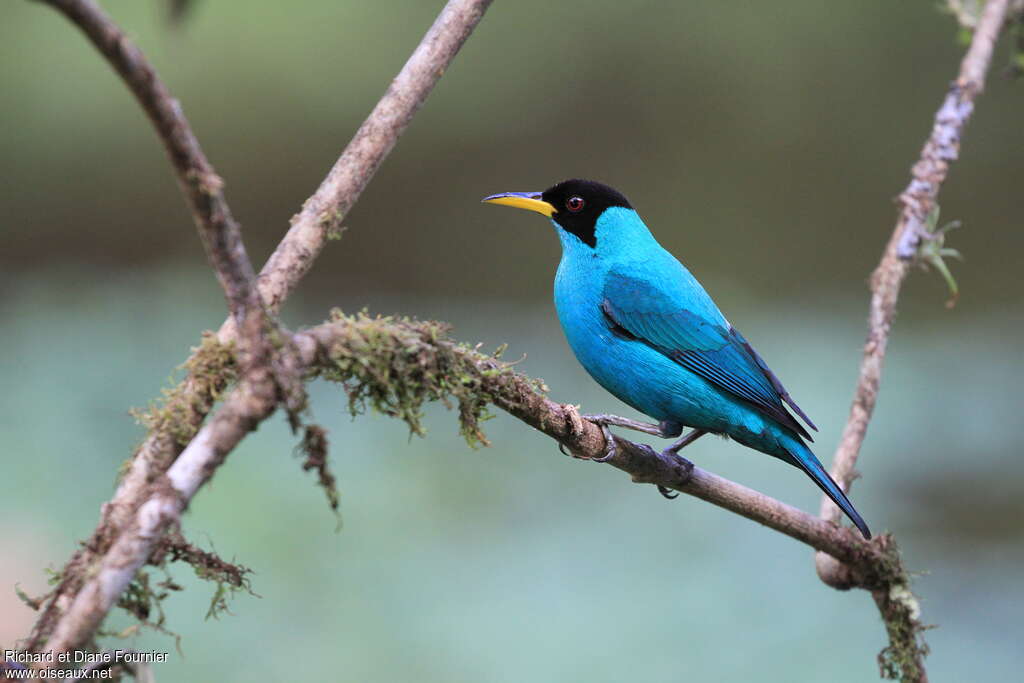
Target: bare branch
x,y
324,210
202,187
292,259
917,202
905,655
968,12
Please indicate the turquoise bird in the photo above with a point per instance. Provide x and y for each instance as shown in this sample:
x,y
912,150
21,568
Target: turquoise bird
x,y
646,330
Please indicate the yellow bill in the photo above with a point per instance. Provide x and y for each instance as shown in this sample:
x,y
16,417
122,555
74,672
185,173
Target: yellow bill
x,y
531,201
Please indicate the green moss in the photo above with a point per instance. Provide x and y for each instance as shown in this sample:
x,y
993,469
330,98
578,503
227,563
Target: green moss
x,y
178,415
397,365
330,222
903,658
314,447
34,603
144,597
53,576
144,601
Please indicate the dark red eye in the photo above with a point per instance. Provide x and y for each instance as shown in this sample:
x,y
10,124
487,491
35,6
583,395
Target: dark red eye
x,y
574,203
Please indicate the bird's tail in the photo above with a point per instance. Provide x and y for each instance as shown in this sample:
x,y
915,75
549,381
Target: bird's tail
x,y
803,457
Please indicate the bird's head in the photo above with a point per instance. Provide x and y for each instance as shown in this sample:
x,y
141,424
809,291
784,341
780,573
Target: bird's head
x,y
589,211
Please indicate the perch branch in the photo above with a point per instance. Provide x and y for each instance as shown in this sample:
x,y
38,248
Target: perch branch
x,y
416,354
194,397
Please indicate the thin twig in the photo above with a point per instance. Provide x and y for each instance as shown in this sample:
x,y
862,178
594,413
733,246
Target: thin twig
x,y
917,201
905,655
202,187
324,210
298,249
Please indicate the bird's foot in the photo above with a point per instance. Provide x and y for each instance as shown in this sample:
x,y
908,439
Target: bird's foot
x,y
610,448
662,489
609,443
575,423
671,453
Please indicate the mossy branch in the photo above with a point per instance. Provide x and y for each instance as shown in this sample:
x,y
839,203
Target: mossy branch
x,y
398,365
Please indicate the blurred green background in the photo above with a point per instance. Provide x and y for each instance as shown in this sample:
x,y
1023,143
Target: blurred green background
x,y
764,145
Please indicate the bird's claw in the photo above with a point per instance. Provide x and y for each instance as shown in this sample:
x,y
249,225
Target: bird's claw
x,y
667,492
610,449
601,421
669,453
609,444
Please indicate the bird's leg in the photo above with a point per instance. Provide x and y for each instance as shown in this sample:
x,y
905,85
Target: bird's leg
x,y
666,429
636,425
685,441
670,429
674,450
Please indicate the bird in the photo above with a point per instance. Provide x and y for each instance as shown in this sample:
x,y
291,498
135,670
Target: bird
x,y
646,330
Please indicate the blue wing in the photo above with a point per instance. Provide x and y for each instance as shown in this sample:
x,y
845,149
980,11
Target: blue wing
x,y
701,342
